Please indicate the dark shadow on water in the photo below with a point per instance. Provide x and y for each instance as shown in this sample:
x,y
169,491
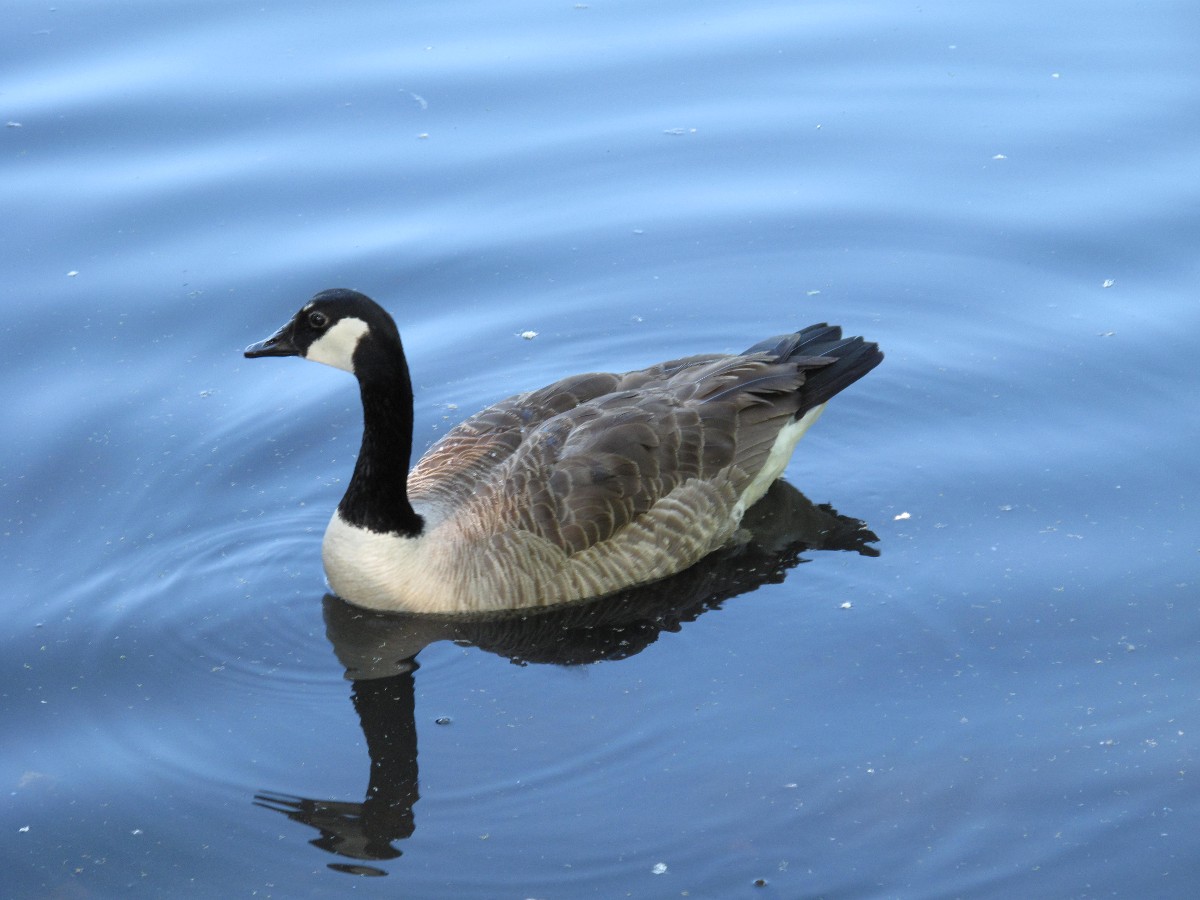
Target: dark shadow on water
x,y
378,652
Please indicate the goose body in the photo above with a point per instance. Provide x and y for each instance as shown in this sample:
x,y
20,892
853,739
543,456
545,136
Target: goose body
x,y
583,488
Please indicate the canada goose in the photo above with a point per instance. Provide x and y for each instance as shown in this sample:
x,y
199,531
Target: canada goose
x,y
583,488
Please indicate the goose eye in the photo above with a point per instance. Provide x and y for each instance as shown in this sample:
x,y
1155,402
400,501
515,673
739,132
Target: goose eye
x,y
318,319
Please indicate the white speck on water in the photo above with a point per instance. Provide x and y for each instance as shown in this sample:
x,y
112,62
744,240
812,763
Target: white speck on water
x,y
418,99
25,828
902,515
811,293
659,868
680,131
846,605
1108,282
423,136
999,156
528,335
13,125
1055,75
72,273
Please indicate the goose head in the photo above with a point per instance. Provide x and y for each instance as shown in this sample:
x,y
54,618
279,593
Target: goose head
x,y
339,327
350,331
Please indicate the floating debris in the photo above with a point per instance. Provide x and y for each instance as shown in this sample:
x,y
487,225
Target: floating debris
x,y
528,335
659,869
902,515
846,605
1108,282
442,720
72,273
999,156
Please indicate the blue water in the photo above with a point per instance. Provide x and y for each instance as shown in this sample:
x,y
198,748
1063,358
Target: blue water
x,y
1004,196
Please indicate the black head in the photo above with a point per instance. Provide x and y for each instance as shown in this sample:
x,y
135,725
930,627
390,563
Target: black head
x,y
338,327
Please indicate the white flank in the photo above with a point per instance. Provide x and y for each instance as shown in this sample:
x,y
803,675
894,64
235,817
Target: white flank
x,y
777,459
336,346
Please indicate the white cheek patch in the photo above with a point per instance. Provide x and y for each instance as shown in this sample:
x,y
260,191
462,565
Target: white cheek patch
x,y
336,346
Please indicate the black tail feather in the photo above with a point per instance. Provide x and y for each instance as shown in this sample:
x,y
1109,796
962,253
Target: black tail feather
x,y
852,358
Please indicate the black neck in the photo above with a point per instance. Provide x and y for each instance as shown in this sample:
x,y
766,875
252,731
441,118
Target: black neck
x,y
377,497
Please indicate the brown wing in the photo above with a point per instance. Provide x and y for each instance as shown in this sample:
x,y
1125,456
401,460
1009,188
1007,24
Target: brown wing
x,y
579,460
456,466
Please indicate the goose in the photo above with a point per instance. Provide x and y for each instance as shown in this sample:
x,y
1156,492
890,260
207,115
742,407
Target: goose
x,y
586,487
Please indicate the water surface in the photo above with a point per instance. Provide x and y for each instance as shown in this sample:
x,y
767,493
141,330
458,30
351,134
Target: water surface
x,y
1002,703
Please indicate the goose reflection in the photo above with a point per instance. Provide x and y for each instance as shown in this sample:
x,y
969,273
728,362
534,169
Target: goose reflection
x,y
378,652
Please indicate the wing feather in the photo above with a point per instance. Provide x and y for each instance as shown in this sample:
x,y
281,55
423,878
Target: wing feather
x,y
579,461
